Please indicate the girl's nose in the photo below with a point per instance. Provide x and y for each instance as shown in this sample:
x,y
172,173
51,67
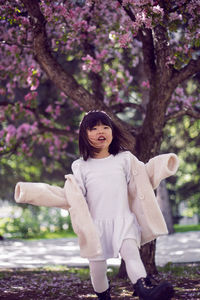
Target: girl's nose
x,y
101,130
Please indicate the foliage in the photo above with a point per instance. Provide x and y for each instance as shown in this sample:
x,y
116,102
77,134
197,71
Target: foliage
x,y
18,229
186,228
74,283
15,168
107,47
137,60
183,139
35,222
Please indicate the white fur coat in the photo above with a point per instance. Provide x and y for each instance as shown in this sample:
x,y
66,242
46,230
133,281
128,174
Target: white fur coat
x,y
144,179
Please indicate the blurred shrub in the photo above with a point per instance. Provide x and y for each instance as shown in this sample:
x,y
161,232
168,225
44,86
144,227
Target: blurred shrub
x,y
30,222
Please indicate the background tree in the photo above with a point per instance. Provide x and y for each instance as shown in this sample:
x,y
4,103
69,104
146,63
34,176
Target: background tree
x,y
183,138
132,59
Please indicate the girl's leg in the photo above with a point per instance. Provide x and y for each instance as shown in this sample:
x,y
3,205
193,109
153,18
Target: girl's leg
x,y
137,274
134,265
98,274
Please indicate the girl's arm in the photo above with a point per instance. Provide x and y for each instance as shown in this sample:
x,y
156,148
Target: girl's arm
x,y
40,194
160,167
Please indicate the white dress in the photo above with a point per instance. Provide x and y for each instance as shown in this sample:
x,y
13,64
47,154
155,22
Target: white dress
x,y
104,184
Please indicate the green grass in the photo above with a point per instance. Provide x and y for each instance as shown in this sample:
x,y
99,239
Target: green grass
x,y
46,235
71,234
186,228
66,283
54,235
190,270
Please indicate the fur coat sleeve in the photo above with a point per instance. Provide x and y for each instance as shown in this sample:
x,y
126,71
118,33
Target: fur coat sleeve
x,y
40,194
70,197
161,167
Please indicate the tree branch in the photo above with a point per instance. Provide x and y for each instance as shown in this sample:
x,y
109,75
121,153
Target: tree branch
x,y
95,78
179,76
42,128
61,78
148,53
120,107
194,113
53,69
162,52
145,36
127,10
3,42
181,6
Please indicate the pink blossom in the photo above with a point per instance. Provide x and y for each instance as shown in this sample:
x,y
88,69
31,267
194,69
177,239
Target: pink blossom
x,y
91,64
24,147
170,60
119,100
44,160
112,71
67,128
12,116
102,54
179,91
158,10
25,129
57,142
2,91
49,109
34,84
57,111
124,40
145,84
91,28
51,150
11,132
45,121
14,49
2,132
30,96
175,16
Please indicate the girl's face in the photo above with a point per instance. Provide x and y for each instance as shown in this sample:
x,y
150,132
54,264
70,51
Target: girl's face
x,y
100,137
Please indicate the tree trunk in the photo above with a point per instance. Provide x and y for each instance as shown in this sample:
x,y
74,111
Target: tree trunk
x,y
163,200
122,270
147,253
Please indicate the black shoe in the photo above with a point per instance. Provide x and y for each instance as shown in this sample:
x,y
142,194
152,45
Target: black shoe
x,y
104,295
148,291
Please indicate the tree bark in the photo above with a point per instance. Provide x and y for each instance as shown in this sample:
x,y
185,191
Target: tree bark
x,y
147,253
163,200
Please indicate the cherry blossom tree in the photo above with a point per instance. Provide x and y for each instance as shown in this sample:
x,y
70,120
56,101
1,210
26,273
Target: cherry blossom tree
x,y
137,60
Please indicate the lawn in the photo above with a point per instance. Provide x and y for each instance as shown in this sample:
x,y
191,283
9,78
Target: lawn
x,y
62,283
71,234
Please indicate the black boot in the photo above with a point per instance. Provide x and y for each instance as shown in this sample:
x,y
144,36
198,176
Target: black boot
x,y
104,295
148,291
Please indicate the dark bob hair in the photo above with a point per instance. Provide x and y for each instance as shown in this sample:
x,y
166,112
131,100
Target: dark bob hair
x,y
91,119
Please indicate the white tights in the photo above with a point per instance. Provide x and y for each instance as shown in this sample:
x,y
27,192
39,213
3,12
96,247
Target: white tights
x,y
134,266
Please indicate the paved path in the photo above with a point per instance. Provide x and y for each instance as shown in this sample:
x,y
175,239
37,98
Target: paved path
x,y
179,247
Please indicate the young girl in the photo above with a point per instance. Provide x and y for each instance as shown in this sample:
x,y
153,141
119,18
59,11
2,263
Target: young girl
x,y
111,202
104,174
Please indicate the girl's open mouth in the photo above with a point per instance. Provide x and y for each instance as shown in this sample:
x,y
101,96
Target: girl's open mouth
x,y
101,138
